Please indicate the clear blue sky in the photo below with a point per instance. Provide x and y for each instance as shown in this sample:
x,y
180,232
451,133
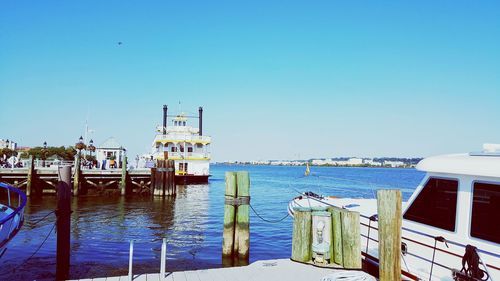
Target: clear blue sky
x,y
277,79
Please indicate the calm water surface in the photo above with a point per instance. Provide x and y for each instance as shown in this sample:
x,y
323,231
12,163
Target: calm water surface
x,y
192,222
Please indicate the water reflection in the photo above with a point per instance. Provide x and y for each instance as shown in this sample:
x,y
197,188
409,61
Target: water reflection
x,y
101,228
192,222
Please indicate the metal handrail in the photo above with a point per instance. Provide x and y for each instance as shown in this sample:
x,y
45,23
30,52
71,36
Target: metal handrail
x,y
17,211
163,259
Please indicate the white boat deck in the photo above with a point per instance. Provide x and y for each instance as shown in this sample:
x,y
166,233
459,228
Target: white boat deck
x,y
281,269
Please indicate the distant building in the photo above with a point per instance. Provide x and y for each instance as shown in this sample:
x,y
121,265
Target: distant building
x,y
110,150
355,161
8,144
318,162
370,162
394,164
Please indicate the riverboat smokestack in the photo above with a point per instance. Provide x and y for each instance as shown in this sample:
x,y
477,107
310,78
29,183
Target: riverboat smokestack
x,y
200,119
165,108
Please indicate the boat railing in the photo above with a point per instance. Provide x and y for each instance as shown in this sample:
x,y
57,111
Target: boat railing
x,y
13,221
182,138
188,155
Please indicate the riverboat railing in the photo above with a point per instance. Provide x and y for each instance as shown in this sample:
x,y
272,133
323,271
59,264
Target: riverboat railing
x,y
13,220
178,138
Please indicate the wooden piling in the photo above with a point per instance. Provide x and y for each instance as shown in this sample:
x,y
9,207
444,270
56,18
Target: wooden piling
x,y
30,176
351,243
158,178
389,234
336,245
229,214
123,182
63,214
76,178
166,181
171,188
152,182
302,236
242,228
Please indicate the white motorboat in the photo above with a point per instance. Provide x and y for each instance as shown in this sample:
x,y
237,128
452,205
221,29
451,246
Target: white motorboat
x,y
451,218
11,214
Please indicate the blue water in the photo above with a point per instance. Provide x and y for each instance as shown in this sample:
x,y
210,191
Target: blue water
x,y
192,222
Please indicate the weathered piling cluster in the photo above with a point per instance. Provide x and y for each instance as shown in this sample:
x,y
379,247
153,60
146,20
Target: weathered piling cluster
x,y
331,236
163,178
236,233
338,245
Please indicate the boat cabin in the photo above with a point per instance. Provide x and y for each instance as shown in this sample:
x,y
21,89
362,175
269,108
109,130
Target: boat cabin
x,y
459,195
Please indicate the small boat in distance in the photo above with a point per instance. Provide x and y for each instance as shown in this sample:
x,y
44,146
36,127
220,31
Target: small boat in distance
x,y
449,218
186,145
11,214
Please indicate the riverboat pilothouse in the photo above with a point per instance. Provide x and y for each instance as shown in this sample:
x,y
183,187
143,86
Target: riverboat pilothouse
x,y
186,145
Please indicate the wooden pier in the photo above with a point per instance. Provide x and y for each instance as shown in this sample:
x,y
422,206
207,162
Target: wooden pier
x,y
38,181
267,270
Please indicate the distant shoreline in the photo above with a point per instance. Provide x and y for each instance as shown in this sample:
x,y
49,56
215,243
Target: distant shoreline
x,y
304,165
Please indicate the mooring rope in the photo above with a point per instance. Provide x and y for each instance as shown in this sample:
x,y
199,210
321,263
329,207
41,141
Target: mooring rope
x,y
39,220
266,220
39,247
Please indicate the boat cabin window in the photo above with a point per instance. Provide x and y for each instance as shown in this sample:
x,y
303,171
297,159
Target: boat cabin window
x,y
436,204
183,167
485,203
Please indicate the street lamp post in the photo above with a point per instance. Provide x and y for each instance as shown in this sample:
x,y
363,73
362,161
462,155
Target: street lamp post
x,y
79,146
44,151
91,148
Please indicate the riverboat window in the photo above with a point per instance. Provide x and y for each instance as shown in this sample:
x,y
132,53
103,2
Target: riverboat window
x,y
436,204
485,203
173,149
190,149
183,167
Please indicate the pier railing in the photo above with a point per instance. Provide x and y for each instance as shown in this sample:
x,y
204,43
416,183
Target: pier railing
x,y
11,217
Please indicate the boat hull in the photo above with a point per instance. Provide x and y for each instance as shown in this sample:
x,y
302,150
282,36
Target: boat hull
x,y
191,179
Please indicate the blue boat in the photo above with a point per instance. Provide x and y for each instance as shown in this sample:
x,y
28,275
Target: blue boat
x,y
11,214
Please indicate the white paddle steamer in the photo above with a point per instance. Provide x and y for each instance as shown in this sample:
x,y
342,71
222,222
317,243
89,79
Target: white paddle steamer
x,y
186,145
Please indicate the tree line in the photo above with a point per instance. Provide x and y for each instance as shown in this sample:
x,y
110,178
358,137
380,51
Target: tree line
x,y
62,152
